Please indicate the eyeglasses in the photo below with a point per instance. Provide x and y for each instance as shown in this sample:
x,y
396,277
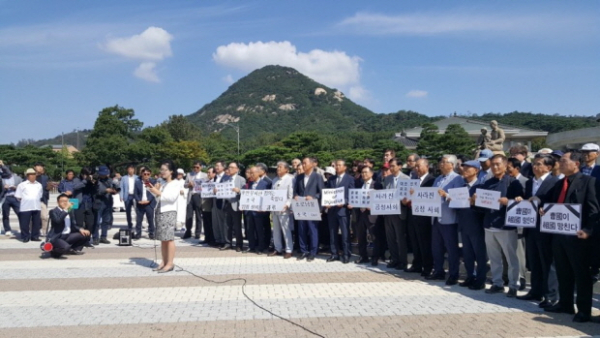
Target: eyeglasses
x,y
146,174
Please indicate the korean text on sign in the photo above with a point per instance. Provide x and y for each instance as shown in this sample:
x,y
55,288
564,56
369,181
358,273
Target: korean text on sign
x,y
384,202
459,198
523,214
489,199
359,198
306,210
333,197
403,187
274,200
208,190
426,202
251,199
225,190
564,219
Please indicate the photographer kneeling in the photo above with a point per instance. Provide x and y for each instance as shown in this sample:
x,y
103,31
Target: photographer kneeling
x,y
66,237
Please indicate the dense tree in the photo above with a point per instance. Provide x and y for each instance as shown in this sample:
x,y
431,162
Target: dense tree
x,y
181,129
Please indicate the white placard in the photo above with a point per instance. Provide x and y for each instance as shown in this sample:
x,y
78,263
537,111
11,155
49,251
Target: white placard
x,y
250,199
459,198
384,202
564,219
487,199
359,198
274,200
208,190
426,202
521,214
225,190
198,184
332,197
306,210
404,185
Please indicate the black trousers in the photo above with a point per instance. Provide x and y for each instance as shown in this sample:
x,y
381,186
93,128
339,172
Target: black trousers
x,y
209,235
234,226
572,259
194,206
419,232
9,202
395,232
363,226
84,217
26,218
539,256
65,242
380,243
141,210
256,234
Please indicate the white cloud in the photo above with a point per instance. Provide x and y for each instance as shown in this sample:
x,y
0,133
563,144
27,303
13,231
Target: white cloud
x,y
334,69
152,45
228,79
146,71
359,93
418,94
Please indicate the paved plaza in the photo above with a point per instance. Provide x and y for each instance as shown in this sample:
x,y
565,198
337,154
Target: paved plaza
x,y
111,291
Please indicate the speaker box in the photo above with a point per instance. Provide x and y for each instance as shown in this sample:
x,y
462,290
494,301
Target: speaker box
x,y
124,237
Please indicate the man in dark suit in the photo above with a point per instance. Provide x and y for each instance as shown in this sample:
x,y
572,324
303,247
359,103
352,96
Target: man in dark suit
x,y
145,204
308,185
257,237
233,213
539,244
219,217
395,225
572,254
365,221
66,237
339,215
520,152
419,227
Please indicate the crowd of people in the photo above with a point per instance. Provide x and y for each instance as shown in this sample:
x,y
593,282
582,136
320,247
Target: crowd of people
x,y
560,264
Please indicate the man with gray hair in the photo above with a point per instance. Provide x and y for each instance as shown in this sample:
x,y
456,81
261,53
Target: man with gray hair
x,y
282,220
260,228
444,232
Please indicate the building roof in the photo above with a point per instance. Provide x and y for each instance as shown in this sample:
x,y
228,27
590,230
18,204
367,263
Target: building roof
x,y
409,143
473,128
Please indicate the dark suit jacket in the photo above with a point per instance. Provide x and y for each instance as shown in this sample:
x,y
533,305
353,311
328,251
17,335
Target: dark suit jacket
x,y
263,184
57,221
508,187
582,190
376,186
526,170
428,181
219,201
313,188
138,190
348,183
544,193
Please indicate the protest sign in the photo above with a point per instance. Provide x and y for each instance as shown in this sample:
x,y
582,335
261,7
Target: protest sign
x,y
251,199
521,214
359,198
274,200
384,202
208,190
459,198
487,199
332,197
564,219
306,210
426,202
198,184
225,190
404,185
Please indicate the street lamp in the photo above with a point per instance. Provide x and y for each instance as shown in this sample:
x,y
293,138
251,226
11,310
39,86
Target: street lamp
x,y
237,130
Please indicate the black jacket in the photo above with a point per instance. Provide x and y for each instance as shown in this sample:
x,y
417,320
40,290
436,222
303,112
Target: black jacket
x,y
57,221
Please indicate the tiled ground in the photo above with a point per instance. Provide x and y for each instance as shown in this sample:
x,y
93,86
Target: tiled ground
x,y
112,292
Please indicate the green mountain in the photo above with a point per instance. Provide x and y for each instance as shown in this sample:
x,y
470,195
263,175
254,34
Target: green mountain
x,y
550,123
278,101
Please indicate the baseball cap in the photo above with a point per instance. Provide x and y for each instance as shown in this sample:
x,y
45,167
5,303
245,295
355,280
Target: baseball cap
x,y
103,170
557,153
30,171
180,171
485,155
590,147
474,164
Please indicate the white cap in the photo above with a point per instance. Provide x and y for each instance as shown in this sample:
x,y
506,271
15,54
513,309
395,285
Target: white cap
x,y
330,170
590,147
180,171
545,151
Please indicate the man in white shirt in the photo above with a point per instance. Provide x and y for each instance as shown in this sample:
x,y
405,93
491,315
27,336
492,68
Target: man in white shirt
x,y
29,193
194,182
127,188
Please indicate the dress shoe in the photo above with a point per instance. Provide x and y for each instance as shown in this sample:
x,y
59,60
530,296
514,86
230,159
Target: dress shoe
x,y
558,308
310,258
167,270
512,293
75,252
451,281
582,318
467,282
88,245
529,296
345,259
187,235
151,236
103,240
274,253
414,269
287,255
522,283
25,240
248,251
226,247
547,303
477,287
96,242
333,258
362,260
137,237
238,249
391,265
36,240
495,289
302,256
436,276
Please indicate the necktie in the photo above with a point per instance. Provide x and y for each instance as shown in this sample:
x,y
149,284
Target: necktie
x,y
563,191
339,179
366,185
395,182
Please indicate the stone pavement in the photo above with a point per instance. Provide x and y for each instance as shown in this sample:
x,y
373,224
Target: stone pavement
x,y
112,292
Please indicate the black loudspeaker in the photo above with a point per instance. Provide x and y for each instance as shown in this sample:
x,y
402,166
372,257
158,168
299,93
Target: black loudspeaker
x,y
124,237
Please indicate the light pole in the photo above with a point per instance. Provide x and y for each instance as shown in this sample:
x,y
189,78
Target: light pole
x,y
237,130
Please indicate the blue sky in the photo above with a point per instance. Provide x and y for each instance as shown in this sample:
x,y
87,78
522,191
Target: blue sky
x,y
63,61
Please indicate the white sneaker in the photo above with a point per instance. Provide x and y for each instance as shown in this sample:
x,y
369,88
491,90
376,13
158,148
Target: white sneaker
x,y
8,233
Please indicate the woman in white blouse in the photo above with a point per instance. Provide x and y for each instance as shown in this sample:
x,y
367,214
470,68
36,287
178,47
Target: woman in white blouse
x,y
166,214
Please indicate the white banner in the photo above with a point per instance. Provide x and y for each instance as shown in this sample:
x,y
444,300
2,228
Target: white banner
x,y
359,198
384,202
207,190
333,197
306,210
403,187
251,199
225,190
487,199
198,184
426,202
459,198
274,200
521,214
564,219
